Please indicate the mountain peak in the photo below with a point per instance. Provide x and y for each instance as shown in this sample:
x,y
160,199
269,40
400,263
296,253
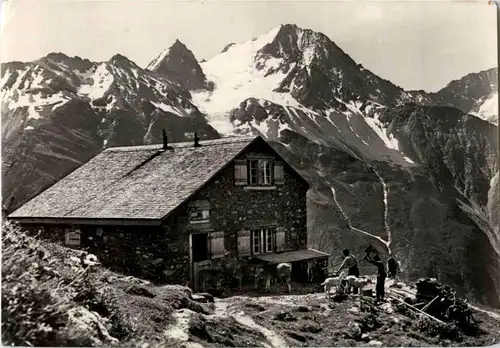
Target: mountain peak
x,y
176,48
179,65
57,56
178,43
119,59
298,44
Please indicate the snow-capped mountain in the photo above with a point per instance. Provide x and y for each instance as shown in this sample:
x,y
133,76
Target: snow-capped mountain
x,y
410,170
475,93
58,112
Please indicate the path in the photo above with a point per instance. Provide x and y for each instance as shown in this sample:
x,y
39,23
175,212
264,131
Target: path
x,y
223,308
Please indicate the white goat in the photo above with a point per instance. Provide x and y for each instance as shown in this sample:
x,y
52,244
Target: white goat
x,y
355,282
329,283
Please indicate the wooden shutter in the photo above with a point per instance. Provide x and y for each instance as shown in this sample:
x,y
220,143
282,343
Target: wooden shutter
x,y
244,243
72,237
279,174
280,239
217,249
240,172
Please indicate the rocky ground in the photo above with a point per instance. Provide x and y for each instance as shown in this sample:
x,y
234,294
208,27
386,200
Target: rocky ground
x,y
53,296
311,321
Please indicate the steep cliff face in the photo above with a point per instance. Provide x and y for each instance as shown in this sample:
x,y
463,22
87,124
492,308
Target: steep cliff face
x,y
402,170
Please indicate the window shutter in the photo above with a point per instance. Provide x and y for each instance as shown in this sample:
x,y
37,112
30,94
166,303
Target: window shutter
x,y
240,172
217,245
279,177
280,239
244,243
72,237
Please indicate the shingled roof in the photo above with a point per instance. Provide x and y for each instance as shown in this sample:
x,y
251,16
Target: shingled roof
x,y
134,182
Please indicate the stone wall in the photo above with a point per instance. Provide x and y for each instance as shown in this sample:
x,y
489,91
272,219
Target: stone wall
x,y
143,251
234,208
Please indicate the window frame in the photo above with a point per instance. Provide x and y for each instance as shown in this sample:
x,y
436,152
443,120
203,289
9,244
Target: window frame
x,y
265,238
256,236
69,237
200,211
260,172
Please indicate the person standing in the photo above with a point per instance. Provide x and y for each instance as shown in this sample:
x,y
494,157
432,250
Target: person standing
x,y
392,267
351,264
381,275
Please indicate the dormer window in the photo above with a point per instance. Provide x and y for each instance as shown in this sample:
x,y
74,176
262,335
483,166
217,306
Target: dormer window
x,y
199,212
259,172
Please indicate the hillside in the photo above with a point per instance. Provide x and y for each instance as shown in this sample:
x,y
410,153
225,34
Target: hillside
x,y
409,172
65,298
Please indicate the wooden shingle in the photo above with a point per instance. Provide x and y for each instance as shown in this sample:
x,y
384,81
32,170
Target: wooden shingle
x,y
134,182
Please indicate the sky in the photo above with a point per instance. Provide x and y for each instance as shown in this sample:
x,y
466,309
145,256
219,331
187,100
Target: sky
x,y
420,44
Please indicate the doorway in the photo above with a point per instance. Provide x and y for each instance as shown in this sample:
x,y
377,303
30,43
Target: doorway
x,y
200,256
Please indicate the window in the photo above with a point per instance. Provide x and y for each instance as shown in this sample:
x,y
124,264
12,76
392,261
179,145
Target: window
x,y
199,211
263,240
253,168
259,172
265,172
72,237
256,241
199,215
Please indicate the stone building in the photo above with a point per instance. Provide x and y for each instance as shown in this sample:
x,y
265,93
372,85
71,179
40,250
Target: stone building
x,y
166,212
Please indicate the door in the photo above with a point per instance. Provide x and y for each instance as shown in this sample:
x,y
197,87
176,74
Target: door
x,y
200,256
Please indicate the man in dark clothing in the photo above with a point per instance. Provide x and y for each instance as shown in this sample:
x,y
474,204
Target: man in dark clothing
x,y
381,275
351,264
392,267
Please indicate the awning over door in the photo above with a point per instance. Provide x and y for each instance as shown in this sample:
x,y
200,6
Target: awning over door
x,y
292,256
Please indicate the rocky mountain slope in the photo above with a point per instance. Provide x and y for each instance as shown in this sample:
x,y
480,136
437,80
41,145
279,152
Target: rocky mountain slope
x,y
476,93
399,169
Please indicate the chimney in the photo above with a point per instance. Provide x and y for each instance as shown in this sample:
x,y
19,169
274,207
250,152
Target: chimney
x,y
196,140
165,140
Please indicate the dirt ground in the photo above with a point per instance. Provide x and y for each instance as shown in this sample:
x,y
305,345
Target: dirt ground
x,y
309,319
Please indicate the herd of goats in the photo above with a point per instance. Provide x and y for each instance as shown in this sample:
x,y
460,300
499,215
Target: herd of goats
x,y
273,273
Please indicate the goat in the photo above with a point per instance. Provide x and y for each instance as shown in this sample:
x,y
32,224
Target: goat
x,y
355,282
282,271
235,272
310,269
329,283
210,276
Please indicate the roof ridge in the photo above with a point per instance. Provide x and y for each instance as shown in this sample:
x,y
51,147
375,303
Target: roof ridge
x,y
184,144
